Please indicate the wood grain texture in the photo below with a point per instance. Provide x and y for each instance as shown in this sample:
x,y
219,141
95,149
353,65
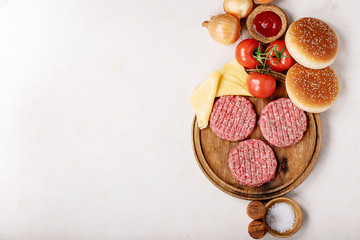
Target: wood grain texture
x,y
255,210
294,163
256,229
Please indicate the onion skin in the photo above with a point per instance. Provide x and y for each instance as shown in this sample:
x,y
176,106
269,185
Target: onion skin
x,y
263,1
238,8
223,28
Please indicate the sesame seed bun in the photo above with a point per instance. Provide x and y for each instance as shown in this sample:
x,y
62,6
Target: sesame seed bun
x,y
312,43
312,90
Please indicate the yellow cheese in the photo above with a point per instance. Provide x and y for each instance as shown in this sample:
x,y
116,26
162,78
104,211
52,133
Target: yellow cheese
x,y
235,73
230,81
234,61
229,87
235,70
203,98
233,79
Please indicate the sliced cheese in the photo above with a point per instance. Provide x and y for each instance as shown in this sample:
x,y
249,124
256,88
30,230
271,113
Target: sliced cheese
x,y
234,61
230,81
227,87
203,98
233,79
235,70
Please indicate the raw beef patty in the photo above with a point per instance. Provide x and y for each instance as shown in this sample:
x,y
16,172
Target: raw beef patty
x,y
252,163
232,118
282,123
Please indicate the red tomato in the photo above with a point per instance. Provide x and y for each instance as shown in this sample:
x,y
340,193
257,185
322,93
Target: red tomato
x,y
244,53
281,51
261,85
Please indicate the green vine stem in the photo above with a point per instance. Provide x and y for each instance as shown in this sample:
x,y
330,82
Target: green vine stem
x,y
262,57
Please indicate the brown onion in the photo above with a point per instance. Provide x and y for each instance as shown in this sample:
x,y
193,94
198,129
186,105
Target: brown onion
x,y
238,8
262,1
223,28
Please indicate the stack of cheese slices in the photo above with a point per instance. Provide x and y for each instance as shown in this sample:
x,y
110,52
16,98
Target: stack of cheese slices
x,y
231,80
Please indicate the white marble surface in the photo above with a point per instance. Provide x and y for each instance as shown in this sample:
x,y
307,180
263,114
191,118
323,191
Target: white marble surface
x,y
95,123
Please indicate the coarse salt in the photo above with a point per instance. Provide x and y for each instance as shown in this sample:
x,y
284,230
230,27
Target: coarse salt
x,y
280,217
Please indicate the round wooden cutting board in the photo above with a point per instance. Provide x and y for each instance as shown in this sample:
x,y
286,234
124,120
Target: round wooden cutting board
x,y
294,163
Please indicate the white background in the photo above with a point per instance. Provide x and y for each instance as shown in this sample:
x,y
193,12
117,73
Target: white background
x,y
95,123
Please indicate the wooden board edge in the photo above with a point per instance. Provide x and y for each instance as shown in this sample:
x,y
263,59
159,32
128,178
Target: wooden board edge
x,y
315,156
309,168
207,172
271,195
293,180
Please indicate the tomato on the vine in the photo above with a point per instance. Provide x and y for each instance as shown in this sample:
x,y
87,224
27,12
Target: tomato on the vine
x,y
244,53
261,85
280,58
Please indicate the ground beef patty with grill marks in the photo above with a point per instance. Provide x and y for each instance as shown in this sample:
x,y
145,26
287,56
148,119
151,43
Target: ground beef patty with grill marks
x,y
282,123
252,163
232,118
